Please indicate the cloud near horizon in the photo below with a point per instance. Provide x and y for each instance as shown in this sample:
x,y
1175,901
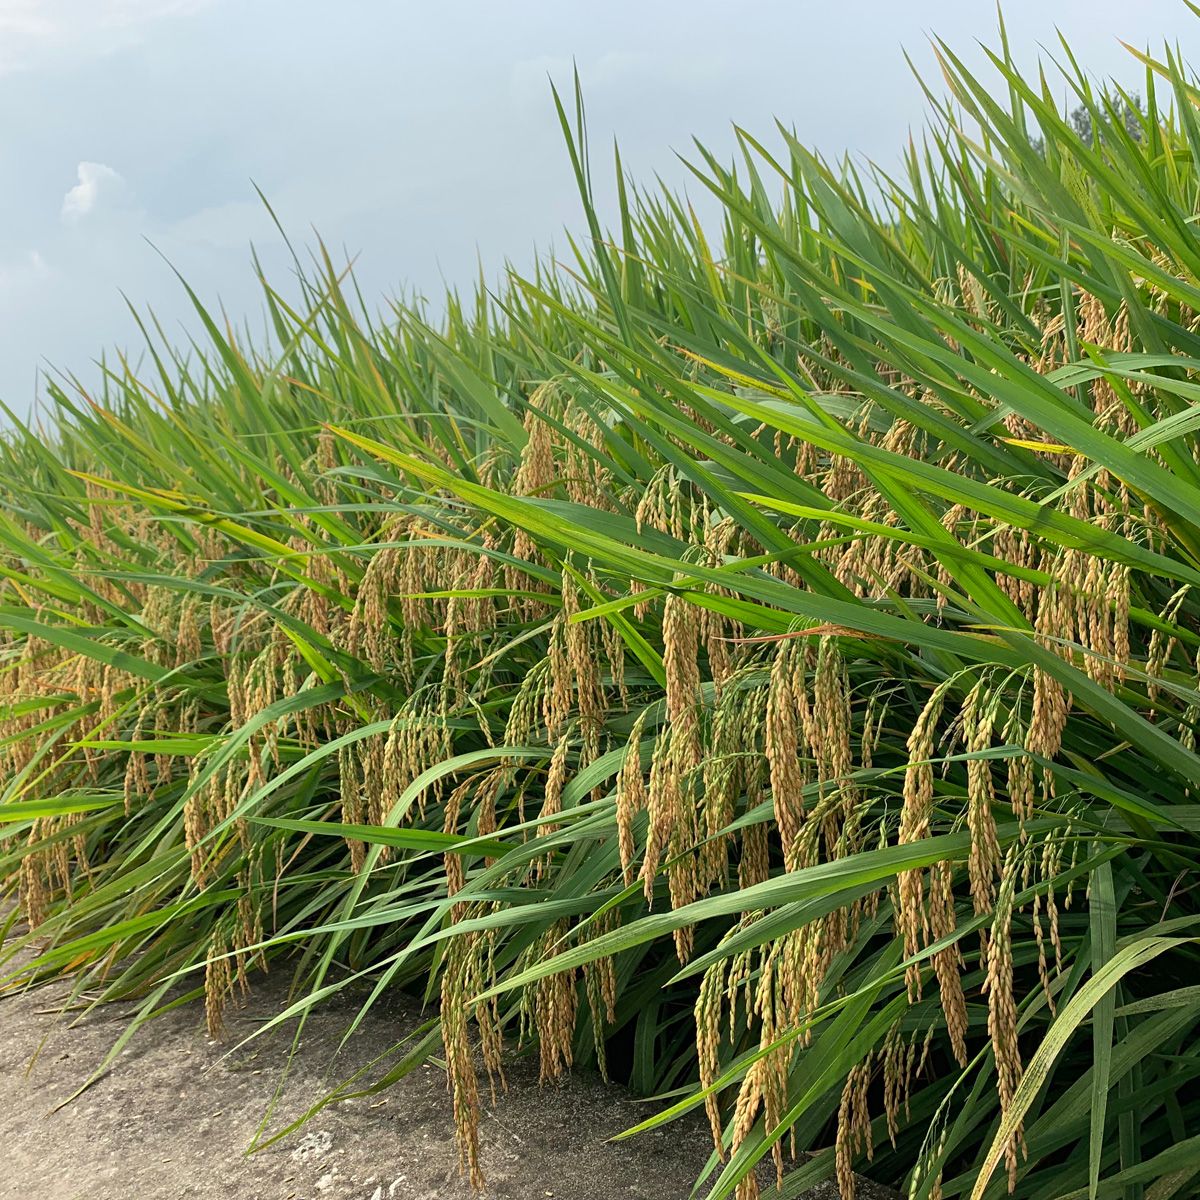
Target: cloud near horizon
x,y
37,33
99,185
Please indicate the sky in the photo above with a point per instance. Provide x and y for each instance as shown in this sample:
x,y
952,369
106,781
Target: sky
x,y
419,138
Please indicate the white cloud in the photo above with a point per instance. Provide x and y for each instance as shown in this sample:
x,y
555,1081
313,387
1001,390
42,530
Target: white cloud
x,y
33,32
99,185
24,18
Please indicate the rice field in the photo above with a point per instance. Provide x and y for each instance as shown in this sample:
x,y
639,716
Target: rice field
x,y
755,660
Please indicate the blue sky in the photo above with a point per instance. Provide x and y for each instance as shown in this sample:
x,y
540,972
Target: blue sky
x,y
419,137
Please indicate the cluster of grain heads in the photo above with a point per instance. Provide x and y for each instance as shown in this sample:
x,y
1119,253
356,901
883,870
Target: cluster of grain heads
x,y
768,666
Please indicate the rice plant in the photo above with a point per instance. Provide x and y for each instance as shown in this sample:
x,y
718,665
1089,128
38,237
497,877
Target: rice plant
x,y
758,662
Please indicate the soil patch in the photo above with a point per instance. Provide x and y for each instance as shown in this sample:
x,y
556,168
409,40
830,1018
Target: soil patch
x,y
171,1120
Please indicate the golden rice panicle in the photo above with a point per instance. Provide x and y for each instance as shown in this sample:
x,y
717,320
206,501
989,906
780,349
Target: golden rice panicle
x,y
136,784
460,630
1002,1008
651,511
853,1128
746,1109
784,729
218,985
600,987
325,459
583,648
948,963
491,788
683,877
556,779
681,640
829,735
1039,934
422,564
663,803
537,470
526,719
609,646
247,929
665,504
973,297
773,1081
371,753
453,863
469,613
587,478
189,644
537,474
487,1011
732,737
1163,645
754,863
764,1087
871,566
978,718
915,817
681,665
393,571
411,745
754,843
353,801
555,1006
468,970
1051,704
558,697
799,961
1053,848
844,481
1098,329
1021,768
321,603
631,797
92,530
895,1079
200,811
716,629
32,890
461,1078
707,1013
614,655
1016,546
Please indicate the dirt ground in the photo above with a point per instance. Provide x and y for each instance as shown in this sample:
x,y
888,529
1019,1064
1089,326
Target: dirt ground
x,y
171,1120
